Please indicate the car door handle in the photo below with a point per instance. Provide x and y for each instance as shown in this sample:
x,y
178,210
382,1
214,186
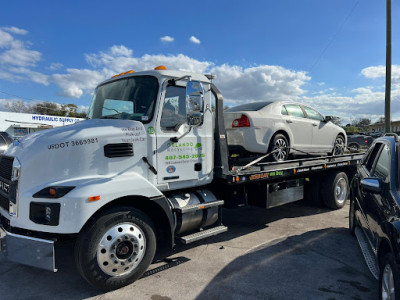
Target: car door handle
x,y
289,121
313,124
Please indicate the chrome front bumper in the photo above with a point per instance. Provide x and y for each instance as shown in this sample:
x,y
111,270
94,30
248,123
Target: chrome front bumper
x,y
26,250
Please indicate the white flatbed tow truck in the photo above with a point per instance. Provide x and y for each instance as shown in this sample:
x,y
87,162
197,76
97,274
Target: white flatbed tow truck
x,y
150,168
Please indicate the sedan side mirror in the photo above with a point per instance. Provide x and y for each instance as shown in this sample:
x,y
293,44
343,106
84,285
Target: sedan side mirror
x,y
372,185
327,119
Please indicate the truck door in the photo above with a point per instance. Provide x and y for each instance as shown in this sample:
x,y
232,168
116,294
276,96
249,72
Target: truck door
x,y
190,158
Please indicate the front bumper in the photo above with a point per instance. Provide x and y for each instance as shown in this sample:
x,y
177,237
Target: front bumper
x,y
26,250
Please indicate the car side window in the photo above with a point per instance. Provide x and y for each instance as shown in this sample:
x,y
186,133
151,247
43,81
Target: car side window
x,y
174,108
371,156
382,168
294,110
313,114
284,111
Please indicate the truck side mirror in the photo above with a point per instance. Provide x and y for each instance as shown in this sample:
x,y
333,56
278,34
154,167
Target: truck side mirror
x,y
194,103
327,119
372,185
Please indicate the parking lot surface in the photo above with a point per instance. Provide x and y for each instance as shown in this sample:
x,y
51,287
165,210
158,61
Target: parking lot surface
x,y
294,251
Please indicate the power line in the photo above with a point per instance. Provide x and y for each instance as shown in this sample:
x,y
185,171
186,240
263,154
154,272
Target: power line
x,y
333,37
30,99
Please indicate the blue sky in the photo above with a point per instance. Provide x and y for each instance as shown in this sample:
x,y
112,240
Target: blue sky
x,y
329,54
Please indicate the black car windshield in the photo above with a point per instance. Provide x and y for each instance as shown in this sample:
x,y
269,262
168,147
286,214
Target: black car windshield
x,y
254,106
131,98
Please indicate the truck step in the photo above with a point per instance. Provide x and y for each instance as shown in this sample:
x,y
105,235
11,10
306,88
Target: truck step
x,y
196,207
367,252
202,234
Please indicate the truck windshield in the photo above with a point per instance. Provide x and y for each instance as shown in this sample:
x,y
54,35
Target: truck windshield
x,y
131,98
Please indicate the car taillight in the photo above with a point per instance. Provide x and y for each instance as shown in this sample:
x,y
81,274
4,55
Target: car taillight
x,y
366,141
242,122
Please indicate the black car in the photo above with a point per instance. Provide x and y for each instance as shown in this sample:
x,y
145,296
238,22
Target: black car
x,y
5,141
358,141
374,215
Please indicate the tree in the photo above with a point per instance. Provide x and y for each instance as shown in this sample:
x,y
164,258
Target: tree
x,y
336,120
17,106
361,122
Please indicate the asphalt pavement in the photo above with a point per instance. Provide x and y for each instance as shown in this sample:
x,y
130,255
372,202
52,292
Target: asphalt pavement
x,y
295,251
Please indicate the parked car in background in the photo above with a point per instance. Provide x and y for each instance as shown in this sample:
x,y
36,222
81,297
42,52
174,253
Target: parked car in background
x,y
5,141
284,126
374,215
357,141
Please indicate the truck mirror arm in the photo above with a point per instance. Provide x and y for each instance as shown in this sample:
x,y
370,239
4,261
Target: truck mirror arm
x,y
176,139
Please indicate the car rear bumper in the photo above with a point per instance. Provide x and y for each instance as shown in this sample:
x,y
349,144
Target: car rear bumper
x,y
26,250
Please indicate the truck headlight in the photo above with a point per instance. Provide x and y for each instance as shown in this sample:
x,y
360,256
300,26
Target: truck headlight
x,y
53,192
16,169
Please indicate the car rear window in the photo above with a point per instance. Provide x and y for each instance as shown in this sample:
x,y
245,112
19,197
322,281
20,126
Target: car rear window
x,y
254,106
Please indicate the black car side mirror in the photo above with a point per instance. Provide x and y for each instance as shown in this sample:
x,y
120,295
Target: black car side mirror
x,y
372,185
327,119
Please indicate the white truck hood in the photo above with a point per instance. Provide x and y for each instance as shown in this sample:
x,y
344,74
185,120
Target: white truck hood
x,y
77,151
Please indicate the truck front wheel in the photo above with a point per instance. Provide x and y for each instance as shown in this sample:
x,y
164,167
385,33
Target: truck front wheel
x,y
116,248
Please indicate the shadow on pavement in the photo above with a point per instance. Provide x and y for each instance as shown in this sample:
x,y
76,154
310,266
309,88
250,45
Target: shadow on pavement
x,y
321,264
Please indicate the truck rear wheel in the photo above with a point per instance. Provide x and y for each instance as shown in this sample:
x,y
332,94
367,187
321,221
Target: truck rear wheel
x,y
116,248
335,190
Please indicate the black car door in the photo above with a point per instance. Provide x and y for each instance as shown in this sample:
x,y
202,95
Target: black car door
x,y
364,200
380,208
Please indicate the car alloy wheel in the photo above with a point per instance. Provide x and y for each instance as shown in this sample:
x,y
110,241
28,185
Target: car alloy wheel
x,y
338,148
280,148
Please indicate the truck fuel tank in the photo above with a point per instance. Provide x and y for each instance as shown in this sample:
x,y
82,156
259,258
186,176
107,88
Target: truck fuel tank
x,y
194,210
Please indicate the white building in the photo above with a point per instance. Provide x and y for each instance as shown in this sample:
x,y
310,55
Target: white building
x,y
19,124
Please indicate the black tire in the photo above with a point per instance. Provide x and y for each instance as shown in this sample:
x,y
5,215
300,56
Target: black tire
x,y
279,141
352,217
354,147
338,146
116,248
388,266
335,190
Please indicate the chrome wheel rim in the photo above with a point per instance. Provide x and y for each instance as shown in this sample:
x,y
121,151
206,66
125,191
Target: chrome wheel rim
x,y
339,146
341,190
280,147
388,291
121,249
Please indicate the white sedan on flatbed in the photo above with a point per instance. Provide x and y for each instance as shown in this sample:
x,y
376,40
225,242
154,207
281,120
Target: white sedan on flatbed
x,y
284,126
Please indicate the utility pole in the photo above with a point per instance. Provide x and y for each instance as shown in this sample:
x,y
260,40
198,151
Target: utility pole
x,y
388,63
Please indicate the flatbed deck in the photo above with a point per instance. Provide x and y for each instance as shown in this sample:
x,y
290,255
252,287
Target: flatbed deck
x,y
291,169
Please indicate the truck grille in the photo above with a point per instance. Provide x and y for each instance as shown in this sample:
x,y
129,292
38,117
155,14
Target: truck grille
x,y
4,203
7,188
6,163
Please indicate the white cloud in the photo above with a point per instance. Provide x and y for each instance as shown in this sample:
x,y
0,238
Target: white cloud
x,y
167,39
55,66
5,39
15,30
32,75
19,56
76,82
380,72
259,83
194,40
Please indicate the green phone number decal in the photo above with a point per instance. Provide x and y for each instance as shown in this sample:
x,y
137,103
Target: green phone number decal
x,y
175,157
